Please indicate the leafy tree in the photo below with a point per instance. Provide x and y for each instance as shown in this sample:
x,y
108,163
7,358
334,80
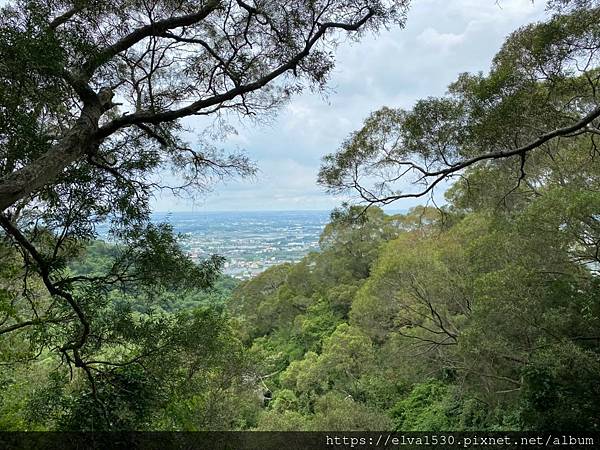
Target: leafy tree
x,y
94,98
256,302
494,307
505,276
60,65
352,239
337,412
540,95
424,409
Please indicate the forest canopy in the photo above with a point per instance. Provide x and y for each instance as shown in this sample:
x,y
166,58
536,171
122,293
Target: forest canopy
x,y
92,100
481,313
539,98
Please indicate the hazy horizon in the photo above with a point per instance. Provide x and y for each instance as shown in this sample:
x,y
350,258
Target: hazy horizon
x,y
198,211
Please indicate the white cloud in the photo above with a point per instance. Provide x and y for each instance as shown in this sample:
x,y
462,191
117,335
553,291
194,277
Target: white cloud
x,y
442,39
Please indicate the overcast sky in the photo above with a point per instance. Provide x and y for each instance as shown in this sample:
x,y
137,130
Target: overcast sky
x,y
442,38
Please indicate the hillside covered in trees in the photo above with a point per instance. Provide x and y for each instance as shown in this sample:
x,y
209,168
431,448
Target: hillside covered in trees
x,y
479,313
461,318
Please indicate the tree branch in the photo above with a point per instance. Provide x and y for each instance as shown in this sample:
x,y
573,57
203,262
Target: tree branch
x,y
166,116
441,174
153,29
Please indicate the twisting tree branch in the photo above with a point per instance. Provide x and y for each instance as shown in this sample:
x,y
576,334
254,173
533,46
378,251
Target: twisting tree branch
x,y
43,267
250,75
457,168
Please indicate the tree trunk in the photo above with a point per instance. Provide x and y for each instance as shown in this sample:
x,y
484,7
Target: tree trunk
x,y
77,142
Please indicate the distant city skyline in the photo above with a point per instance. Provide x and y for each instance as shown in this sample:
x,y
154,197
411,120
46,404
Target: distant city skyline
x,y
441,40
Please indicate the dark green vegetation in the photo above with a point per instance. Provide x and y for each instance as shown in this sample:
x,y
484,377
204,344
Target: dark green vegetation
x,y
93,99
467,318
459,319
481,314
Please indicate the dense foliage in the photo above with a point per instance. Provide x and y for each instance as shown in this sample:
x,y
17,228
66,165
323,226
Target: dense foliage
x,y
463,320
452,319
93,97
482,314
542,91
